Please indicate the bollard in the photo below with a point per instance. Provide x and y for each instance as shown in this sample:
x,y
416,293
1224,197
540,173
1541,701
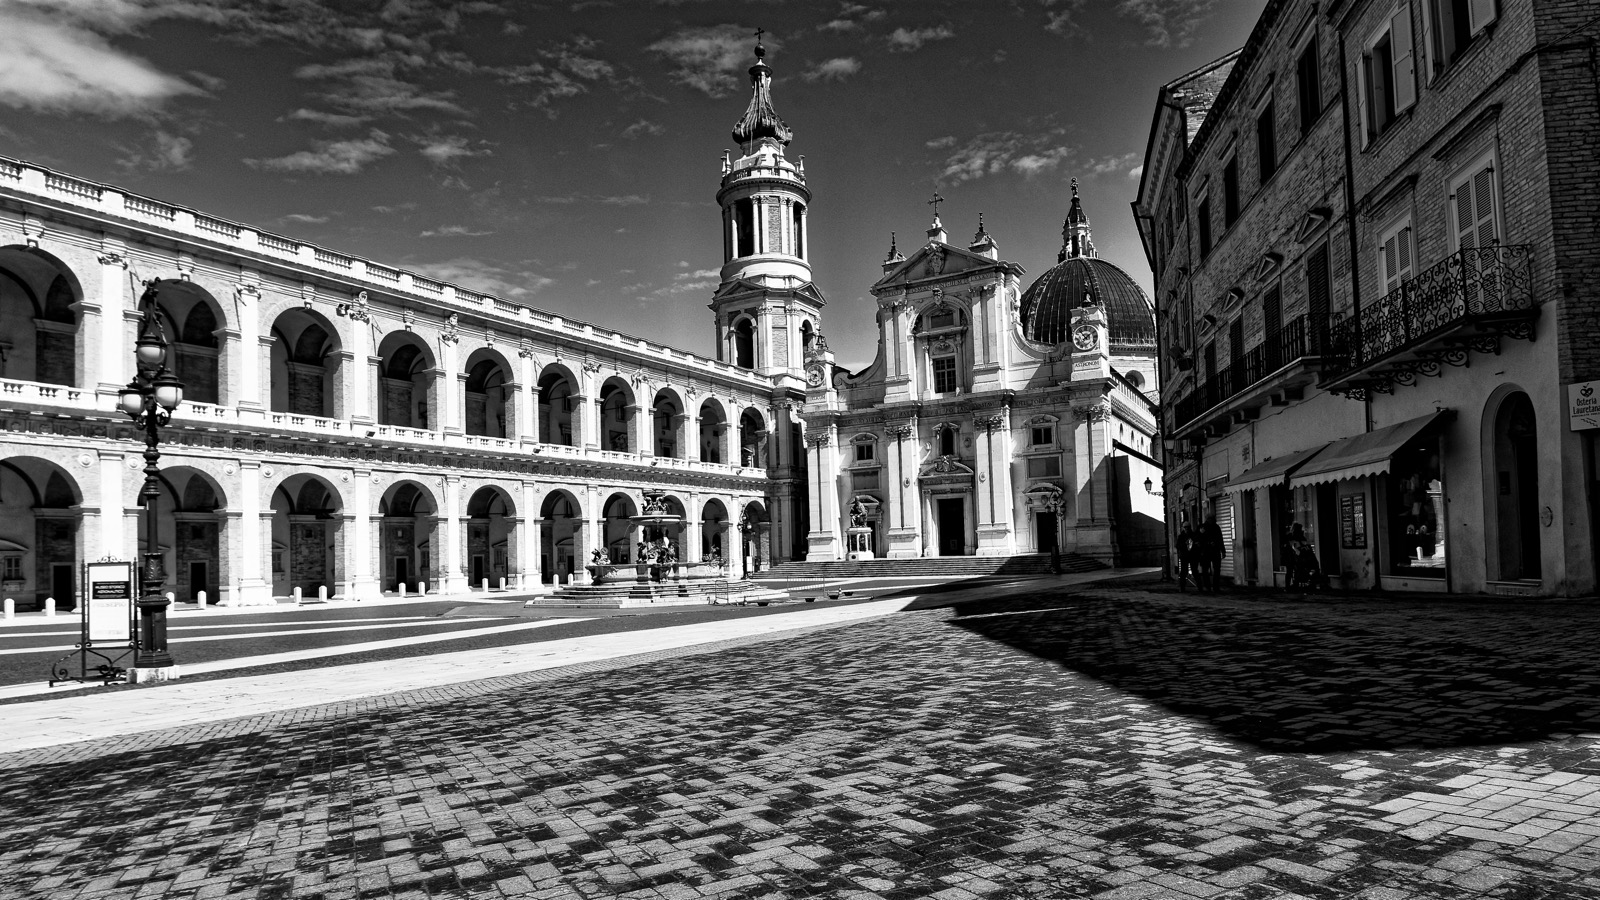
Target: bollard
x,y
50,607
402,590
296,596
200,601
322,593
11,608
502,584
485,584
422,588
171,598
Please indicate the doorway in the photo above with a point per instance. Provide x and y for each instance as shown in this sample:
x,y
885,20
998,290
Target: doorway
x,y
477,569
402,572
1044,525
951,515
61,586
1516,465
197,579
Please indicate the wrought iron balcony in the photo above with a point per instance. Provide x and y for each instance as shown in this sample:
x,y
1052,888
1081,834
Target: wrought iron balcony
x,y
1466,303
1272,370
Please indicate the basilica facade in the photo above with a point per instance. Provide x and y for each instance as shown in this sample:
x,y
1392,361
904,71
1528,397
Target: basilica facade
x,y
351,428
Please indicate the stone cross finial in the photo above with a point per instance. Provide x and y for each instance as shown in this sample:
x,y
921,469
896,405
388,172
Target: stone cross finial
x,y
935,203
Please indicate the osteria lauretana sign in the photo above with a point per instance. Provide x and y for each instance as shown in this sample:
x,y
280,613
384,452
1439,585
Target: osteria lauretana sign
x,y
1583,405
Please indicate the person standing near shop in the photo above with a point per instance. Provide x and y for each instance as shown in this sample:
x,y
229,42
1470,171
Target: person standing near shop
x,y
1211,553
1188,556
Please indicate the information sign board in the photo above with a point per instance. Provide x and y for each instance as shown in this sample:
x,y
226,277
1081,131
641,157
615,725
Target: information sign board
x,y
1583,405
108,606
1353,521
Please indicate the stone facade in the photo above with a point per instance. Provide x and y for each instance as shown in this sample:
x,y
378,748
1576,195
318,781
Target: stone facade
x,y
1378,341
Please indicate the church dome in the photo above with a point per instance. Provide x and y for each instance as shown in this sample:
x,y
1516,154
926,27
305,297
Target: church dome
x,y
1080,278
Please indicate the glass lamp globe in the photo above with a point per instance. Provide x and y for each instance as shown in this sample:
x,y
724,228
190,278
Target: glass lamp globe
x,y
169,391
150,351
131,400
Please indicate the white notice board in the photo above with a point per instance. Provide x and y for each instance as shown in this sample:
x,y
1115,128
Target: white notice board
x,y
108,605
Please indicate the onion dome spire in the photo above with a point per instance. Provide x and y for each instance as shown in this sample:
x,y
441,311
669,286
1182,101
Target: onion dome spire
x,y
1075,235
760,121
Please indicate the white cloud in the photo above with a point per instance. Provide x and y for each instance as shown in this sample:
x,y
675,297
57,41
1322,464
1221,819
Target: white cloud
x,y
56,59
605,200
836,69
1125,163
331,157
1136,171
642,128
444,150
170,153
332,120
711,59
305,219
484,277
939,143
1168,23
905,40
1000,152
453,231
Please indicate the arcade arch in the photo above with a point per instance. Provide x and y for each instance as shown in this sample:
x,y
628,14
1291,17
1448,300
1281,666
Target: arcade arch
x,y
191,532
407,381
713,427
38,318
192,319
616,408
560,538
486,410
669,424
714,527
616,527
41,540
491,538
307,535
752,439
408,519
557,400
305,364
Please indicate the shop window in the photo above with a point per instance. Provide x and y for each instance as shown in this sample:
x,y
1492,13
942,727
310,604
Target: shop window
x,y
1388,84
1416,541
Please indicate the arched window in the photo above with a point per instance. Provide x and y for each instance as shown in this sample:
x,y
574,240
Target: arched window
x,y
744,218
941,332
947,440
799,231
744,344
807,338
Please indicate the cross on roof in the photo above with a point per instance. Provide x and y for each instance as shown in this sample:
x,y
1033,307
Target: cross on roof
x,y
935,203
759,33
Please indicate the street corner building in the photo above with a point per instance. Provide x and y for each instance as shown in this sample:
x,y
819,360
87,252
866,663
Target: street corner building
x,y
1377,274
352,428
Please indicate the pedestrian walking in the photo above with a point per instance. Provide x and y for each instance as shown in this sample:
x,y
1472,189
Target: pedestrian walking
x,y
1188,556
1294,542
1211,552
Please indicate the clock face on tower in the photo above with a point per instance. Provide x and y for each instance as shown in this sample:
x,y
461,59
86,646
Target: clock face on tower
x,y
814,378
1084,338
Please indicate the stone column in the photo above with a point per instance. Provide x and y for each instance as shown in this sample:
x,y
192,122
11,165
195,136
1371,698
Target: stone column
x,y
361,407
905,512
112,358
992,492
528,424
451,576
253,352
823,542
587,409
641,429
530,537
359,552
255,541
451,384
112,539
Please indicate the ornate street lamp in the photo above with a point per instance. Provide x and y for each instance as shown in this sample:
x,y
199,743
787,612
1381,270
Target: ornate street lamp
x,y
150,399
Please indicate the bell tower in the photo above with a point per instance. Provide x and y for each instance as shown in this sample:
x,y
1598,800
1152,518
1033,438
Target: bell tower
x,y
768,312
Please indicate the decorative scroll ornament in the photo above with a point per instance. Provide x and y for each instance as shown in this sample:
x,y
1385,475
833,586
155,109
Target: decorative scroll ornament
x,y
591,368
452,330
488,336
358,309
526,350
112,258
820,439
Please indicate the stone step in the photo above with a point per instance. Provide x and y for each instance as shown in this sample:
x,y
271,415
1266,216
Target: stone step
x,y
954,566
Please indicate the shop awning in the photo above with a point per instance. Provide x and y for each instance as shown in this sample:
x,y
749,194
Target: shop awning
x,y
1273,471
1365,454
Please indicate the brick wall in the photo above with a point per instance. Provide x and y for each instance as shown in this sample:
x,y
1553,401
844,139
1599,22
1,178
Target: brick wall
x,y
55,357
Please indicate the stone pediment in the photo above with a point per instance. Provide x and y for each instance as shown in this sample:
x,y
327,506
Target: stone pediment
x,y
741,286
936,260
945,470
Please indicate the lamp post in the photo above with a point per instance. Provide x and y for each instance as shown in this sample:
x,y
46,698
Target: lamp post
x,y
150,399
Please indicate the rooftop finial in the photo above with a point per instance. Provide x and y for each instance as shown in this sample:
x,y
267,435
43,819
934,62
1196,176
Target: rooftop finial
x,y
981,233
760,121
1075,237
894,251
935,204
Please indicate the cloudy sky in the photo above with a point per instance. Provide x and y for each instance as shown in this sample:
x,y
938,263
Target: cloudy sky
x,y
566,155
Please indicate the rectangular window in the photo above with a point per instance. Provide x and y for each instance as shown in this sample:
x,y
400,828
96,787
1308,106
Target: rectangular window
x,y
1396,255
1044,467
1319,296
1043,435
1449,27
1388,83
1203,225
744,214
1475,207
944,375
1267,143
1308,82
865,452
1230,193
11,568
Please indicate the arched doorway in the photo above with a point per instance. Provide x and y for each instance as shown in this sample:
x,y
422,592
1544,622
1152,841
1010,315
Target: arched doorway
x,y
305,365
616,416
408,517
491,538
755,537
744,343
40,548
190,533
307,537
713,432
714,528
752,439
1516,475
407,381
487,391
617,528
557,393
192,318
560,524
38,324
667,421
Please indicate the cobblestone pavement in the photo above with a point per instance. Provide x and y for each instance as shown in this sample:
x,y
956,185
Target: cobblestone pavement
x,y
1110,742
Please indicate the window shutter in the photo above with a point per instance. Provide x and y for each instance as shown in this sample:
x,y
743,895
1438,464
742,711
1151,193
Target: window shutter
x,y
1483,207
1391,271
1425,47
1363,103
1404,79
1480,13
1466,219
1403,260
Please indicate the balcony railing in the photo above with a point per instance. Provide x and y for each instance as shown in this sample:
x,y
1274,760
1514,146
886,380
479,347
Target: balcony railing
x,y
1467,302
1289,344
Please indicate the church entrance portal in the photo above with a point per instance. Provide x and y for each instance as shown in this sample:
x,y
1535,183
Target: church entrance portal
x,y
1045,525
951,514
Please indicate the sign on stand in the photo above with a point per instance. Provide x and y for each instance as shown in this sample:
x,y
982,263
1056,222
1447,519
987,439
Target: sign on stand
x,y
106,630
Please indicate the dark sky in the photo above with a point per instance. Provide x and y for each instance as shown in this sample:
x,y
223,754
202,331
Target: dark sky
x,y
566,155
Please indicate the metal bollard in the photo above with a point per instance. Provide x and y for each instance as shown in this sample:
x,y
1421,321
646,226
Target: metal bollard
x,y
296,596
200,601
50,607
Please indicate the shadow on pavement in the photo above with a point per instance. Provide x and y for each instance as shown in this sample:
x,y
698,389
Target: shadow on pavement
x,y
1327,677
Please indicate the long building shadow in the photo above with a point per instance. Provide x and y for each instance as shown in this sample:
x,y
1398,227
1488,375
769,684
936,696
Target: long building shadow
x,y
1323,678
